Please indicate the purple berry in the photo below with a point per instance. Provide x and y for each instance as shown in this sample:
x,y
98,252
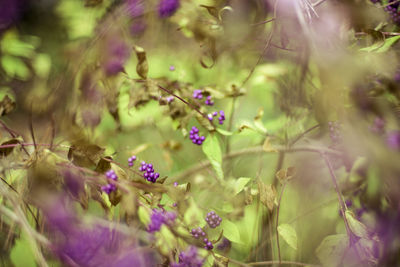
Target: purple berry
x,y
167,8
213,219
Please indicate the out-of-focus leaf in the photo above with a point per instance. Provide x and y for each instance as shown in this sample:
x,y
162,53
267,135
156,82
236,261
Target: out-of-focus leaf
x,y
267,195
85,155
42,65
103,165
21,254
7,105
212,150
204,122
267,147
93,3
220,261
356,227
240,184
224,132
115,197
331,250
258,121
288,233
231,231
212,10
387,44
10,44
143,215
15,67
5,151
142,67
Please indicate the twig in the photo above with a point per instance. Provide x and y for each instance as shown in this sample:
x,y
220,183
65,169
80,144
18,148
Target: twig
x,y
262,22
277,222
389,4
342,204
384,33
187,103
267,45
230,124
254,150
282,262
26,204
318,3
302,134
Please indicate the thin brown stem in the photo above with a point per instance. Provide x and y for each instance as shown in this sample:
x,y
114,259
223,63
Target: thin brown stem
x,y
342,204
277,222
267,263
265,49
249,151
187,103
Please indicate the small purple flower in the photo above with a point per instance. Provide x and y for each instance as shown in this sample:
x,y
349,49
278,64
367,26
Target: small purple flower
x,y
138,27
198,94
393,140
160,217
170,99
78,244
118,53
378,126
209,101
189,258
135,8
166,8
171,68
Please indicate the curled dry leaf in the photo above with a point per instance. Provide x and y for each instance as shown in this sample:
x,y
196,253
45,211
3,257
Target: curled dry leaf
x,y
267,195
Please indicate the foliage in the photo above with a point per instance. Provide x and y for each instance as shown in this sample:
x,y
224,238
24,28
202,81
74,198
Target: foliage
x,y
199,132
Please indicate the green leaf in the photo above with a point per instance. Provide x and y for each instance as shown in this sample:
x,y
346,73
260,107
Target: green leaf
x,y
224,132
240,184
15,67
231,231
21,254
212,150
331,250
387,44
356,226
288,234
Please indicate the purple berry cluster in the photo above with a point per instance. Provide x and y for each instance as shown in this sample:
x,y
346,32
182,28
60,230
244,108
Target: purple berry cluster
x,y
166,8
213,219
110,187
198,94
198,232
131,160
160,217
393,13
335,131
194,136
149,173
189,258
209,101
207,244
221,117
